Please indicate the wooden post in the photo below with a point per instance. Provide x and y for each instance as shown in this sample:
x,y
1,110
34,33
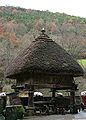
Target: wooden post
x,y
30,107
72,97
72,101
0,88
72,94
30,100
53,92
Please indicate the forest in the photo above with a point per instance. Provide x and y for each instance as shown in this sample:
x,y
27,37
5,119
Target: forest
x,y
19,27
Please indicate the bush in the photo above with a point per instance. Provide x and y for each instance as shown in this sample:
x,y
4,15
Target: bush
x,y
14,113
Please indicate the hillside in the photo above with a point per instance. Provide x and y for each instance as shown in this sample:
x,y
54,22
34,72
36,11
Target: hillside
x,y
19,27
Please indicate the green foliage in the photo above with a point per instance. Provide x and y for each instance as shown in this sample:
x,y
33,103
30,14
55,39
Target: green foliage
x,y
1,39
82,62
14,113
23,16
19,111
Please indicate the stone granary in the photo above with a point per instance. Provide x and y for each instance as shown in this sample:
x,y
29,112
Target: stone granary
x,y
44,64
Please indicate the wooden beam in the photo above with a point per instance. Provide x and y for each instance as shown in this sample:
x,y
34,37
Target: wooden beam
x,y
41,86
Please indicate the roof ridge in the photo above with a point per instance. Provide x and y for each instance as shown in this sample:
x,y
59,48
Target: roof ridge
x,y
44,37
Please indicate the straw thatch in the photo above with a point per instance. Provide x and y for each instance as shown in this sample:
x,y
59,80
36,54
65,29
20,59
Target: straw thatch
x,y
44,56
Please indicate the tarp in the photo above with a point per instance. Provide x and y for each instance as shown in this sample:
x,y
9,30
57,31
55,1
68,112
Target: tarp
x,y
83,95
38,94
2,94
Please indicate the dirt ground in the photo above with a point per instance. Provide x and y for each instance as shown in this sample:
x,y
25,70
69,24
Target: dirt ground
x,y
80,116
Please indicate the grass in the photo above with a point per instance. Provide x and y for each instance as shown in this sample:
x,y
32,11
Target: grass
x,y
82,62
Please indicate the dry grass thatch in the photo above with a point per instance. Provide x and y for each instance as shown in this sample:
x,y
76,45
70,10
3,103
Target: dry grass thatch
x,y
44,55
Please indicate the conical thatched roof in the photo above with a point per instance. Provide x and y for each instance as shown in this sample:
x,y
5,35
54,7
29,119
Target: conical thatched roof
x,y
44,56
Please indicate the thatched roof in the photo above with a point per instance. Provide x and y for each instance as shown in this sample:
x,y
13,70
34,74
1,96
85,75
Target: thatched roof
x,y
44,56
